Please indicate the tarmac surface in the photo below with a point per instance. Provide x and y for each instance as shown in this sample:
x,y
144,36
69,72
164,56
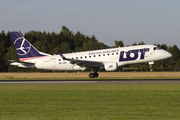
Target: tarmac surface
x,y
111,81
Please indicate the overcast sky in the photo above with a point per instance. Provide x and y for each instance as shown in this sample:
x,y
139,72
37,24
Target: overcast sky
x,y
150,21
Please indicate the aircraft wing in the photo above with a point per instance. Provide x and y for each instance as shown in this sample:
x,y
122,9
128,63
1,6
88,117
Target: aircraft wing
x,y
84,63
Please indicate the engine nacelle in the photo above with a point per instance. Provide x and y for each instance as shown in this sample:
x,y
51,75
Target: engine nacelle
x,y
110,66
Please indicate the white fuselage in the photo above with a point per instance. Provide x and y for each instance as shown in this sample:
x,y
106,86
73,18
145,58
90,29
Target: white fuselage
x,y
121,56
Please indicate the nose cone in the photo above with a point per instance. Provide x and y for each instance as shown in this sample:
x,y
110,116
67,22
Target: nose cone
x,y
168,55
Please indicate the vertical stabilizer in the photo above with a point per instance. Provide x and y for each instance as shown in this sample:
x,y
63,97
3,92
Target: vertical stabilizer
x,y
24,49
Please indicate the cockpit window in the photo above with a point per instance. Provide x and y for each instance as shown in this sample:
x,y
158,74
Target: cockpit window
x,y
157,48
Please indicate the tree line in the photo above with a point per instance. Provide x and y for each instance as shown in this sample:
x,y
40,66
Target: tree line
x,y
67,41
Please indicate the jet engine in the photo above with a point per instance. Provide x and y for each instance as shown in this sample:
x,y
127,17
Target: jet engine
x,y
110,66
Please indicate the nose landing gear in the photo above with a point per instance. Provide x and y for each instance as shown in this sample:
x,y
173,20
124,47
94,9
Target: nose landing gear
x,y
150,66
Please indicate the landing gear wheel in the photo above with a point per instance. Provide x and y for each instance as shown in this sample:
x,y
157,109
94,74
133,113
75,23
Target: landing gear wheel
x,y
96,75
91,75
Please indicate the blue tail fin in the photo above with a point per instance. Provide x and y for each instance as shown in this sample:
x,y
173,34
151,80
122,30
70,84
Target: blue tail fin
x,y
23,48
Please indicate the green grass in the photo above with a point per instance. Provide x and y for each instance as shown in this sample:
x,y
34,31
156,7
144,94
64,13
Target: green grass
x,y
90,102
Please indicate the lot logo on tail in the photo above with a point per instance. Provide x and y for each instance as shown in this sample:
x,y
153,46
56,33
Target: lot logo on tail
x,y
22,46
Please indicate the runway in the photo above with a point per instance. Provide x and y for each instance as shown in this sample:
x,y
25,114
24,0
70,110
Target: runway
x,y
125,81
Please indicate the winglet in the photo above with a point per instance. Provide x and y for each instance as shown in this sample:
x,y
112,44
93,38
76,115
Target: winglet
x,y
62,56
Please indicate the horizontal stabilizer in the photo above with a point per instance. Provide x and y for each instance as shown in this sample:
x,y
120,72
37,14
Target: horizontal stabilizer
x,y
17,61
22,64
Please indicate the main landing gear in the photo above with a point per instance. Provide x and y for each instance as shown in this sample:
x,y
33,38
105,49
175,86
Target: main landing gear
x,y
93,75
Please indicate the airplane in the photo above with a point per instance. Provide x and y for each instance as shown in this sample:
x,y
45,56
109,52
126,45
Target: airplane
x,y
105,59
